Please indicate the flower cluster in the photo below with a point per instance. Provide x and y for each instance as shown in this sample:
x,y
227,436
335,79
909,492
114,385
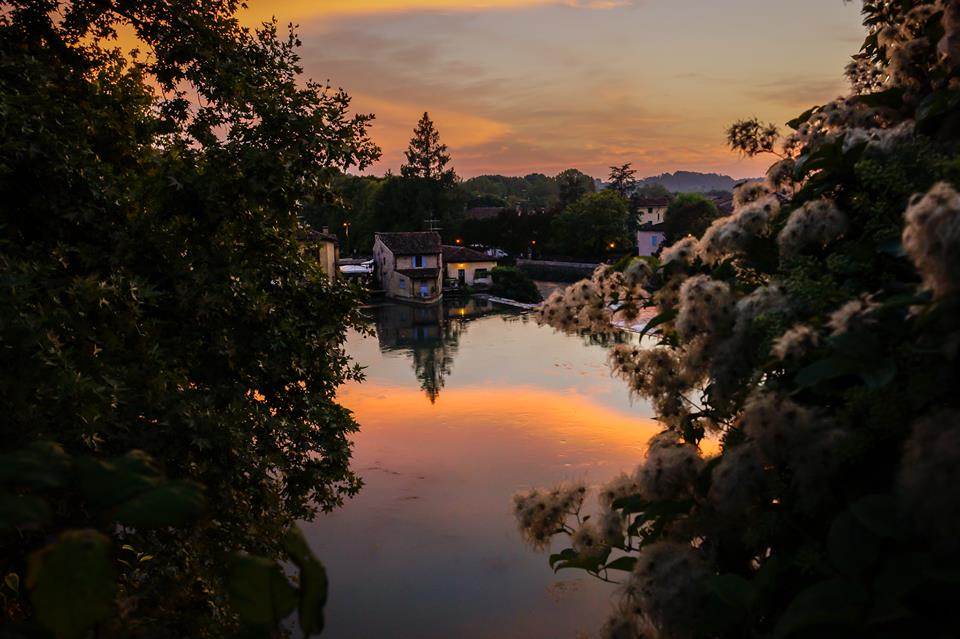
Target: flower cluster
x,y
815,224
795,343
928,472
541,514
652,373
730,235
706,308
931,238
669,584
854,315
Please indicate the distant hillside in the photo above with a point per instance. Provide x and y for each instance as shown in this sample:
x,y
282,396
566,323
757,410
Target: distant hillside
x,y
692,182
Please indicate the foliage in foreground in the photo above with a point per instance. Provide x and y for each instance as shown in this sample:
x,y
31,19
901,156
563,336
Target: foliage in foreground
x,y
154,297
814,335
512,283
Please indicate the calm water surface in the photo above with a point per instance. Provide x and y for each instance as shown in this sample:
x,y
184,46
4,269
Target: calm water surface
x,y
464,405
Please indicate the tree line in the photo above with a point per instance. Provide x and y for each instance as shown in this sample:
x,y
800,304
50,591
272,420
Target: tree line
x,y
562,215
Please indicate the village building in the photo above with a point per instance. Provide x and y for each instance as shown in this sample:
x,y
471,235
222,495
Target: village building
x,y
467,266
650,238
650,210
324,247
408,266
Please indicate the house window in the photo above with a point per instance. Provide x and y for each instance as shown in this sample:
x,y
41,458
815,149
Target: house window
x,y
481,274
403,283
653,240
418,261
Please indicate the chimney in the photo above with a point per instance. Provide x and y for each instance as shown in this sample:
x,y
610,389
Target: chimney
x,y
326,230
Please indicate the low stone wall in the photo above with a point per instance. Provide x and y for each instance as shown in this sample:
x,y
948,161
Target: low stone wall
x,y
556,271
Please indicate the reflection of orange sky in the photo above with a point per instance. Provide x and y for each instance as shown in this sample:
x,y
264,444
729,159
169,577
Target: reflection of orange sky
x,y
546,415
306,9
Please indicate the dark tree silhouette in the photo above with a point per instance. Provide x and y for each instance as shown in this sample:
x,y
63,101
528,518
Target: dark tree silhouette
x,y
622,179
426,156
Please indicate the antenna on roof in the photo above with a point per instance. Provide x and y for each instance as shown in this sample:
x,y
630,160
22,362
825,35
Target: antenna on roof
x,y
433,225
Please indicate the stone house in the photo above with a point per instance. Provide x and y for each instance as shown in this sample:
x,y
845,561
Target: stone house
x,y
467,266
650,239
408,266
650,210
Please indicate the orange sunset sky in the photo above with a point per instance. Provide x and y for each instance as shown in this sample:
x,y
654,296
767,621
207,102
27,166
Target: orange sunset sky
x,y
518,86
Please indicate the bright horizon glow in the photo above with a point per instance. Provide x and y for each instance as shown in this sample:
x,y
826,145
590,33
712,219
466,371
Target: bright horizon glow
x,y
523,86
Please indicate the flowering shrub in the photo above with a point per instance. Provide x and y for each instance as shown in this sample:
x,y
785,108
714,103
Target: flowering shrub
x,y
813,335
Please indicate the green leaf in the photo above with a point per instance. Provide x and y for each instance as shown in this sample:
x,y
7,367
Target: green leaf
x,y
174,503
734,592
798,121
258,591
72,583
313,582
568,554
936,105
22,511
835,602
850,545
12,581
41,464
108,483
878,513
625,564
662,318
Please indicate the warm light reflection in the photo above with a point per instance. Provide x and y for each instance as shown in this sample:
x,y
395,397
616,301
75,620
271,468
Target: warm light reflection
x,y
544,415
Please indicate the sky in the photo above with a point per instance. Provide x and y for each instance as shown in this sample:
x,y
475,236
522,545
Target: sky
x,y
523,86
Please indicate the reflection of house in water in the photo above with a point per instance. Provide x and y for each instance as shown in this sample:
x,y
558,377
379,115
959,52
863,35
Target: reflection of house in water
x,y
429,334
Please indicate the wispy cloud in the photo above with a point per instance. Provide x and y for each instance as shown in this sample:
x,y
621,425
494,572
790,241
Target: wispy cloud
x,y
518,86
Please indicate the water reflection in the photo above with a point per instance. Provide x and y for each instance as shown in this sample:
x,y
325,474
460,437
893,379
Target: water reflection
x,y
462,406
430,335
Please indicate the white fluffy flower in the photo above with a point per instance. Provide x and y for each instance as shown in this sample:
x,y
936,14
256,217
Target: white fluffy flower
x,y
853,315
681,252
706,308
932,237
928,478
669,584
795,343
815,224
669,470
587,541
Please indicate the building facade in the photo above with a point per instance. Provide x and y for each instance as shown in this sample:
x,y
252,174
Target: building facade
x,y
323,247
409,266
468,267
650,210
650,239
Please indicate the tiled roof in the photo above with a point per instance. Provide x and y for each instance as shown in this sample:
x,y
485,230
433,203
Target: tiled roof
x,y
464,254
646,202
416,243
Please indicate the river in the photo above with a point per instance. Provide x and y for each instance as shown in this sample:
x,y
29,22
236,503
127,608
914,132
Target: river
x,y
463,405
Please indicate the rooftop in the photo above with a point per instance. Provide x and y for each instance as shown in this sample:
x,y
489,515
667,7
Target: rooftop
x,y
464,254
650,201
413,243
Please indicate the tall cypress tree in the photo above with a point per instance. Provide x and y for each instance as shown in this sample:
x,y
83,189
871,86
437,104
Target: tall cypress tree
x,y
426,157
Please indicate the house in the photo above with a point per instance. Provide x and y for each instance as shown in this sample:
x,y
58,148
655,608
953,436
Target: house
x,y
324,247
650,239
408,266
650,210
467,266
